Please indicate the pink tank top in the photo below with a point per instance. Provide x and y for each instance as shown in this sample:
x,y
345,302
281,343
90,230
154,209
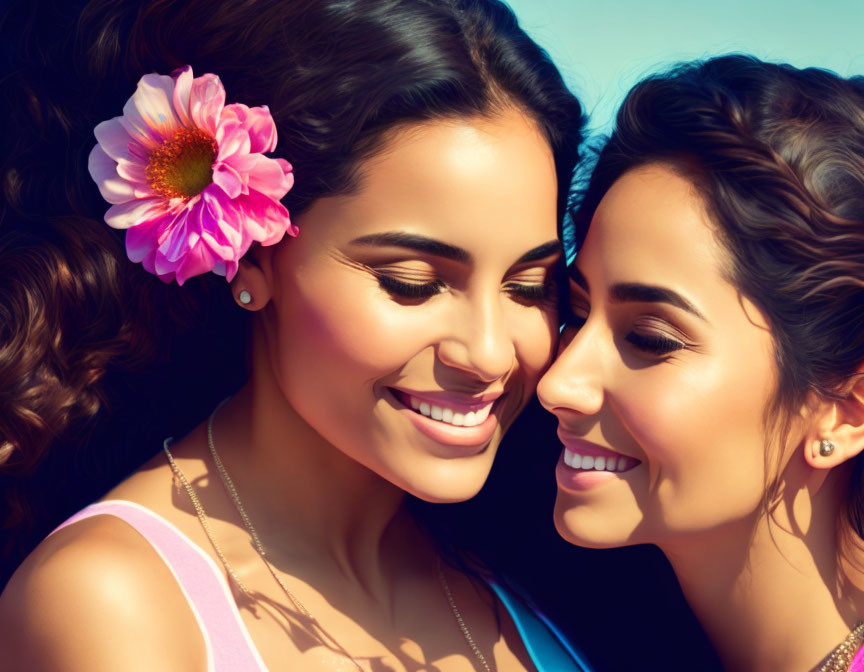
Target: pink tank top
x,y
227,641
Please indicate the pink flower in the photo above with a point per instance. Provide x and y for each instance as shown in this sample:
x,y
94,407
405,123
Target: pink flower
x,y
188,179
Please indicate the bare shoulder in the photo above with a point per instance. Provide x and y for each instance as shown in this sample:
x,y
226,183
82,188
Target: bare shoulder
x,y
96,596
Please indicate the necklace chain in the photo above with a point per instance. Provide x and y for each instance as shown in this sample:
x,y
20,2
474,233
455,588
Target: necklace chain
x,y
464,628
841,657
259,547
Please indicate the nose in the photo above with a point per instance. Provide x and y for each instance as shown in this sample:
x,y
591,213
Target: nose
x,y
481,342
574,381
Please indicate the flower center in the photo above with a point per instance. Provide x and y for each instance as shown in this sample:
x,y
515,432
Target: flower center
x,y
182,166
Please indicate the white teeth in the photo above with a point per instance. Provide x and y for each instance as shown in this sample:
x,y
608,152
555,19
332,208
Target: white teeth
x,y
450,416
590,462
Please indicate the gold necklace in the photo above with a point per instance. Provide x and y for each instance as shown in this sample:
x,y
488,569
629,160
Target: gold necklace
x,y
259,547
841,657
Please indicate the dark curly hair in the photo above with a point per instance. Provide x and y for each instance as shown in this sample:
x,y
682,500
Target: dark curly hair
x,y
337,75
778,155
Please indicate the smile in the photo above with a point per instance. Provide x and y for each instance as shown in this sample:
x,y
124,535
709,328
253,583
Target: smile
x,y
452,416
467,422
578,461
584,465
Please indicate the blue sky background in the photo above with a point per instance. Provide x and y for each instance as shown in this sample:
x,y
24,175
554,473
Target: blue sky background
x,y
605,46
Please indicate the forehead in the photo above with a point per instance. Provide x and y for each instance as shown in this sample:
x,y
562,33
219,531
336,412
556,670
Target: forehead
x,y
652,226
471,181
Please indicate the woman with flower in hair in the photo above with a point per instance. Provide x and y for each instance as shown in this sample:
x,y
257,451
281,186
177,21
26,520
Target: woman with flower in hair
x,y
709,388
380,183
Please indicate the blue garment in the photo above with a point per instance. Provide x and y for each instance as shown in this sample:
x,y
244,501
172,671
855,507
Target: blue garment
x,y
549,649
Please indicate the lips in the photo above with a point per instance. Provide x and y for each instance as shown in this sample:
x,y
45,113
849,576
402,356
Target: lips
x,y
610,462
438,415
582,455
448,408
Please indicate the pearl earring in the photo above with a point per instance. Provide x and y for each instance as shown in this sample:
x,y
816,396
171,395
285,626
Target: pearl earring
x,y
826,448
244,297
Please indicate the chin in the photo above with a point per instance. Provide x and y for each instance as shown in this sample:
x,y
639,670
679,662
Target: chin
x,y
448,481
585,526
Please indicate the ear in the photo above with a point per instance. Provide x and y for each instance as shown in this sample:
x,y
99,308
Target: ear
x,y
841,422
251,285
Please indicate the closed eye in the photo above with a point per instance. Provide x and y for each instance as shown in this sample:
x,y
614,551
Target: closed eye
x,y
409,290
654,344
532,293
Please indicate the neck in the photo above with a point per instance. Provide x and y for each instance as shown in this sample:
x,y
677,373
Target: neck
x,y
769,593
306,498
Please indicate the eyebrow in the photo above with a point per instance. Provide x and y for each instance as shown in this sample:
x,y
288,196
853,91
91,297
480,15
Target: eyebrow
x,y
412,241
639,293
553,247
652,294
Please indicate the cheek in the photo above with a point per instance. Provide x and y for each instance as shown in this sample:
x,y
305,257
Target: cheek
x,y
351,328
701,431
535,339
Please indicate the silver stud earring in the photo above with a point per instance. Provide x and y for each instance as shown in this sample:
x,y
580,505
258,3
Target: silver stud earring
x,y
244,297
826,448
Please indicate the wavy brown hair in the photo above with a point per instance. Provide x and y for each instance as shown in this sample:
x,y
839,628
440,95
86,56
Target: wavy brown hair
x,y
337,75
778,155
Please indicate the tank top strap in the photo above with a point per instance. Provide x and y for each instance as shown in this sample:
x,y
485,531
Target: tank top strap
x,y
227,641
549,649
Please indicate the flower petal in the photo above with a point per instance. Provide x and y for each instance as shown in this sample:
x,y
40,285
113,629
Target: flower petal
x,y
182,90
136,174
142,241
272,177
206,100
233,140
226,220
114,139
182,234
264,220
258,122
228,179
103,170
150,111
198,260
133,213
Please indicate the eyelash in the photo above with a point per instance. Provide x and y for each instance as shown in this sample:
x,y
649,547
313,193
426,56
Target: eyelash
x,y
656,345
410,290
425,290
532,293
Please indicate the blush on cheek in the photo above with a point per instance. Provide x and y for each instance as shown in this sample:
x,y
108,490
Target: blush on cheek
x,y
700,431
535,345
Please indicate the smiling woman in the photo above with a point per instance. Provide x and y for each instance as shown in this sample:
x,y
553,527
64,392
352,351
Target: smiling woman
x,y
394,334
402,297
709,386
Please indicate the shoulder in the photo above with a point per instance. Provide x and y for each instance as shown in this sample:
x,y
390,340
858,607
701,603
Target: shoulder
x,y
96,596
